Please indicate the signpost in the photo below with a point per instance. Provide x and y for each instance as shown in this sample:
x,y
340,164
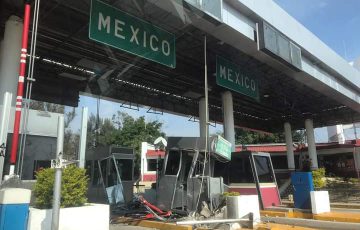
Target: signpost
x,y
223,147
230,76
113,27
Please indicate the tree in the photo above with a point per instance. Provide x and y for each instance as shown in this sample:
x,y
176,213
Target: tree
x,y
299,136
243,136
131,132
46,106
123,130
71,140
100,131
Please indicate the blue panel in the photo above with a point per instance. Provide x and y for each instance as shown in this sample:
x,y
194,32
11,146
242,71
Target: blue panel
x,y
303,185
14,216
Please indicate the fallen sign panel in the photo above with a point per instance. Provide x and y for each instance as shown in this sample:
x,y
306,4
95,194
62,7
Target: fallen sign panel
x,y
230,76
113,27
222,147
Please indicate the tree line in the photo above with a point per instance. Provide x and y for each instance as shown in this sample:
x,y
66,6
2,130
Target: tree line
x,y
126,131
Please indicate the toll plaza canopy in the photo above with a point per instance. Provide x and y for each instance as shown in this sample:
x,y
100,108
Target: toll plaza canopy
x,y
151,52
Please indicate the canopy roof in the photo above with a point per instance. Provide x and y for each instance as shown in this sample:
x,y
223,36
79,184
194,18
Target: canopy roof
x,y
70,63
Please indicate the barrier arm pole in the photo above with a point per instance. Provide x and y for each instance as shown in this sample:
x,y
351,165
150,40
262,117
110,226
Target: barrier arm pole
x,y
20,89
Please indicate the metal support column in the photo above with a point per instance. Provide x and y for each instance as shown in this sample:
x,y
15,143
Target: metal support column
x,y
203,117
83,134
58,174
20,88
4,127
311,143
9,57
289,146
228,113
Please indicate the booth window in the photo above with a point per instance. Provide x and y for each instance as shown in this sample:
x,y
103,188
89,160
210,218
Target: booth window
x,y
221,169
173,162
152,164
125,169
263,169
240,170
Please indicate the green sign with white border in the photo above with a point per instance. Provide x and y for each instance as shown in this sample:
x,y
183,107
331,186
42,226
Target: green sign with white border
x,y
230,76
113,27
223,147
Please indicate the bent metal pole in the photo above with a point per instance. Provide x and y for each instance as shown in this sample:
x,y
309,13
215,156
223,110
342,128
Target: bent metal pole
x,y
20,89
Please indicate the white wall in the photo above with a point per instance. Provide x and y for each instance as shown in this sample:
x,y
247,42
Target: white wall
x,y
91,217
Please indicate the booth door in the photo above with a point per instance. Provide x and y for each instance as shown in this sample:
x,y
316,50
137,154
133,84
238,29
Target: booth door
x,y
266,181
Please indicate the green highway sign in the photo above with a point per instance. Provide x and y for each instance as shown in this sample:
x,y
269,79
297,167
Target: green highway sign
x,y
113,27
223,147
230,76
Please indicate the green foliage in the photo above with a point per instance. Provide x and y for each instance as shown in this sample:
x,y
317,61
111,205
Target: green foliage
x,y
73,187
319,177
123,130
100,131
354,180
225,194
132,132
46,106
243,136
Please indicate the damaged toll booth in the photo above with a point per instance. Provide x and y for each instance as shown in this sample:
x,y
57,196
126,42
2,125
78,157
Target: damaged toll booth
x,y
111,172
251,173
187,179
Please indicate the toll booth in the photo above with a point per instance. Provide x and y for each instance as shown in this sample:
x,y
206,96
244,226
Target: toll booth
x,y
111,171
186,179
251,173
151,162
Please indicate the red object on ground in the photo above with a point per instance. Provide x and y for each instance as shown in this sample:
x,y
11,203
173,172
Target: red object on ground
x,y
20,89
155,209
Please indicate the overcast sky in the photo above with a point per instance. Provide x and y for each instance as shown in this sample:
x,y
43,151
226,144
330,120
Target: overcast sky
x,y
335,22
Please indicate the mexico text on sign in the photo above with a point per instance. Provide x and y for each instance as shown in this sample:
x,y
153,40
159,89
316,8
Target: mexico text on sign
x,y
230,76
118,29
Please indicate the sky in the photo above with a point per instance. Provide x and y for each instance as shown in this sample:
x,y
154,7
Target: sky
x,y
335,22
173,125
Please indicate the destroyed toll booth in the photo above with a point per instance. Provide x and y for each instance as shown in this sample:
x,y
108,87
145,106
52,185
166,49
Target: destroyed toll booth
x,y
111,172
187,179
250,173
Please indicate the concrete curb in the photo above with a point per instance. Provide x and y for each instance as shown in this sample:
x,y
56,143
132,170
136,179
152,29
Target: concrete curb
x,y
331,216
332,205
317,224
150,224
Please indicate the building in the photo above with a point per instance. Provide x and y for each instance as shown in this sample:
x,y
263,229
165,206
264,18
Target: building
x,y
151,158
339,159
